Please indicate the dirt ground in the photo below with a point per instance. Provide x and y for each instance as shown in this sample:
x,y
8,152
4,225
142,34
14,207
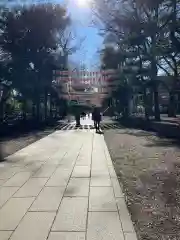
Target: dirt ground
x,y
148,168
10,145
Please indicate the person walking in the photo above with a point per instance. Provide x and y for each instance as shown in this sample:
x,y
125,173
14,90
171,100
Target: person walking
x,y
77,118
96,117
83,115
93,118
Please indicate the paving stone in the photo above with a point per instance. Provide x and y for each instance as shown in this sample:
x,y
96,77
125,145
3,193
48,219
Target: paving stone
x,y
71,157
102,199
130,236
84,160
48,200
18,179
104,225
67,236
68,161
5,235
57,157
8,173
59,178
67,164
31,188
45,171
108,157
100,167
122,205
100,182
99,173
112,172
13,211
117,189
77,187
81,172
126,221
86,148
6,193
1,182
4,167
72,215
33,166
34,226
98,156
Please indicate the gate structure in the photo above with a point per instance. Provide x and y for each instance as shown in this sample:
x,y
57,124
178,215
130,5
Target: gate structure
x,y
86,87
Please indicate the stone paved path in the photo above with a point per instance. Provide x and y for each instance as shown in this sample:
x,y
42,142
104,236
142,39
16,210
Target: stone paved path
x,y
63,187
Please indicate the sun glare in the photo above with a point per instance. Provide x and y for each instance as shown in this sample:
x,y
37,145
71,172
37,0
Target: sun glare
x,y
83,3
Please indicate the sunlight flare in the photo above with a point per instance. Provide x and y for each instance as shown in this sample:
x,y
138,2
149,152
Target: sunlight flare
x,y
83,3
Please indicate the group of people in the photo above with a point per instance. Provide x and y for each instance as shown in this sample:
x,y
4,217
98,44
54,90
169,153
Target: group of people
x,y
96,117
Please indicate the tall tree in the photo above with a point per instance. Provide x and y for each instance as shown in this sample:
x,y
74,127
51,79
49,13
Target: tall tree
x,y
141,28
30,35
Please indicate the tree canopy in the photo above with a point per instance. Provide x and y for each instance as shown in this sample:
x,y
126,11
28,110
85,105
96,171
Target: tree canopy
x,y
33,42
141,41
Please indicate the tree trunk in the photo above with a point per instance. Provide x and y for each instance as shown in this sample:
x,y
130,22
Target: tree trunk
x,y
37,108
145,104
51,105
171,107
156,104
33,109
24,108
56,112
45,104
126,112
125,102
1,153
3,100
178,103
2,111
154,70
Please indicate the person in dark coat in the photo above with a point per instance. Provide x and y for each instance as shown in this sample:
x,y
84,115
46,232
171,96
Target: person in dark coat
x,y
96,117
83,115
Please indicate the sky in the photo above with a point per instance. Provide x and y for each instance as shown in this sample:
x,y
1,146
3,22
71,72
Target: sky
x,y
81,15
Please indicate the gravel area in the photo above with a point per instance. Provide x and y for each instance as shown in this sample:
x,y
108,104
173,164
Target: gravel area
x,y
148,167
